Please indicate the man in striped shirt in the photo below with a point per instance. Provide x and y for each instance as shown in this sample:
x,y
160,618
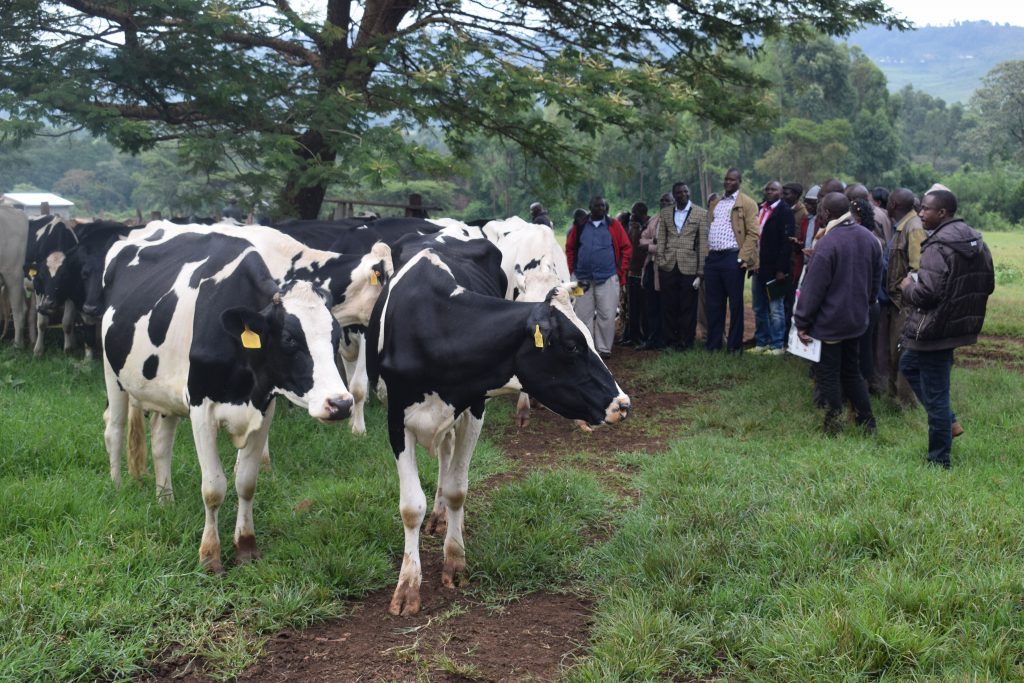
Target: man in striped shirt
x,y
732,242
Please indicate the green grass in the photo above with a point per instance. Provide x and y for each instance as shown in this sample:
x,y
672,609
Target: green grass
x,y
1005,315
756,550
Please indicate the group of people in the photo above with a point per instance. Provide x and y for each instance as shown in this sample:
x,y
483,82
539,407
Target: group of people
x,y
888,283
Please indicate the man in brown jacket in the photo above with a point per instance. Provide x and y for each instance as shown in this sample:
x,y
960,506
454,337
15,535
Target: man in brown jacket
x,y
903,256
682,242
732,250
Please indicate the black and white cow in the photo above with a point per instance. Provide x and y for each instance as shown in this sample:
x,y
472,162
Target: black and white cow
x,y
440,350
353,281
355,236
69,272
49,235
14,234
197,325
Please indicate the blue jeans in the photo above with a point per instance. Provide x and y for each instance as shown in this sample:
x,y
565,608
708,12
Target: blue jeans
x,y
927,373
769,315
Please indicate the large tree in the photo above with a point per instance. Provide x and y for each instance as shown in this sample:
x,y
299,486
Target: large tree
x,y
302,90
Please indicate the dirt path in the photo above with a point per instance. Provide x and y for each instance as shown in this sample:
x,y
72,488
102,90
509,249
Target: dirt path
x,y
992,351
454,638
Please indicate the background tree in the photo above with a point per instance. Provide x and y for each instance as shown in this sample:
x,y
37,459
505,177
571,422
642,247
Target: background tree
x,y
290,96
999,107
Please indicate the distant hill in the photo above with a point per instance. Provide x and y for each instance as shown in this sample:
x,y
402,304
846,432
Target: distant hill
x,y
943,61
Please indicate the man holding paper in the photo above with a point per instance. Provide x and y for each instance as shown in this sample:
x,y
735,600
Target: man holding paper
x,y
842,281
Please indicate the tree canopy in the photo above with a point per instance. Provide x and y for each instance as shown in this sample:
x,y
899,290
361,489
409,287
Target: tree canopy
x,y
305,95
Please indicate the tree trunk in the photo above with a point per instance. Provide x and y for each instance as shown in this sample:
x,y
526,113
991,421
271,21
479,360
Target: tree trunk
x,y
305,199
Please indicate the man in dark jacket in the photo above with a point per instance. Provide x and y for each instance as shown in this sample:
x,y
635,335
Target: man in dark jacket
x,y
771,279
947,301
841,283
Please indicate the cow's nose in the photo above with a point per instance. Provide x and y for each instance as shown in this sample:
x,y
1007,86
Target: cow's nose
x,y
91,310
338,408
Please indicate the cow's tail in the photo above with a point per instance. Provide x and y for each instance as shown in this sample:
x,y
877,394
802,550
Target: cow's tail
x,y
136,442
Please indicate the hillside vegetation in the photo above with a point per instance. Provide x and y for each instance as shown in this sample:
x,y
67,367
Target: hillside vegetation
x,y
944,61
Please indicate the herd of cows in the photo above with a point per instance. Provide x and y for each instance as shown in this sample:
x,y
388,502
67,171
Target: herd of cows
x,y
213,322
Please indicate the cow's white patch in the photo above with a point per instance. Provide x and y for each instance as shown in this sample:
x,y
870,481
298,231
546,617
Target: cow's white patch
x,y
429,421
54,261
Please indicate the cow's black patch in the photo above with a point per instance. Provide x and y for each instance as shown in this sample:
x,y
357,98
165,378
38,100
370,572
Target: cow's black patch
x,y
150,366
532,264
156,236
160,320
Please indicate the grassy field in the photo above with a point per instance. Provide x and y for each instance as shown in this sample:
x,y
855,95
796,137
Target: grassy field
x,y
756,550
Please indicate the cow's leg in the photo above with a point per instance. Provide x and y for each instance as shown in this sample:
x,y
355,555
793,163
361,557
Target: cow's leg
x,y
439,515
456,485
89,343
265,464
41,322
523,410
204,431
353,359
247,468
413,507
30,318
162,440
114,416
16,297
67,324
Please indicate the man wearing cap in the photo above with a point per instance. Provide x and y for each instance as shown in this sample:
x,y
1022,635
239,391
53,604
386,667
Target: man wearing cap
x,y
539,215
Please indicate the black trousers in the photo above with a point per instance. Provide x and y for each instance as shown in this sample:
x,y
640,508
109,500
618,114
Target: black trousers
x,y
678,307
838,376
652,309
635,299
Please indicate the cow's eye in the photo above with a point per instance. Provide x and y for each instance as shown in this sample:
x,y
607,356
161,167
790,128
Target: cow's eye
x,y
289,342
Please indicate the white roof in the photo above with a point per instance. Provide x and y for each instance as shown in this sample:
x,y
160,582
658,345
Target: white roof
x,y
35,199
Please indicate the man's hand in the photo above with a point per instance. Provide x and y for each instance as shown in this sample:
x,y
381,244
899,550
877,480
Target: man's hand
x,y
906,282
803,336
696,282
780,276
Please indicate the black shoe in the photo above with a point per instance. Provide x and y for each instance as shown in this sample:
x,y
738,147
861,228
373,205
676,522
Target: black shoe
x,y
605,355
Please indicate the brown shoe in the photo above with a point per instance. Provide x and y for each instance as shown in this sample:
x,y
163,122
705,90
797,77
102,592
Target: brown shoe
x,y
957,429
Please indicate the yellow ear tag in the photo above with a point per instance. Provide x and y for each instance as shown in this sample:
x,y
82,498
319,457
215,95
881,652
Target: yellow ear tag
x,y
250,339
577,291
538,338
32,272
374,280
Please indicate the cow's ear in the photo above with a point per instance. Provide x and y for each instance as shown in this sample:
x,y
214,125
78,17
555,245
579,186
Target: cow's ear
x,y
539,326
246,324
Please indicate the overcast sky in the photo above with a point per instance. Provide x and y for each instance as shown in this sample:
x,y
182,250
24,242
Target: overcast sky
x,y
945,12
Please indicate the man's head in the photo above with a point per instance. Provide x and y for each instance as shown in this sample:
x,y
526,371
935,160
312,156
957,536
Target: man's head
x,y
665,200
536,208
791,193
901,202
857,191
834,205
772,191
639,211
579,217
831,185
811,200
598,208
880,196
681,194
732,180
936,208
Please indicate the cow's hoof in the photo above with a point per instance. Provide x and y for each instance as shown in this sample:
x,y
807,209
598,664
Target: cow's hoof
x,y
212,565
406,601
246,550
437,525
453,575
